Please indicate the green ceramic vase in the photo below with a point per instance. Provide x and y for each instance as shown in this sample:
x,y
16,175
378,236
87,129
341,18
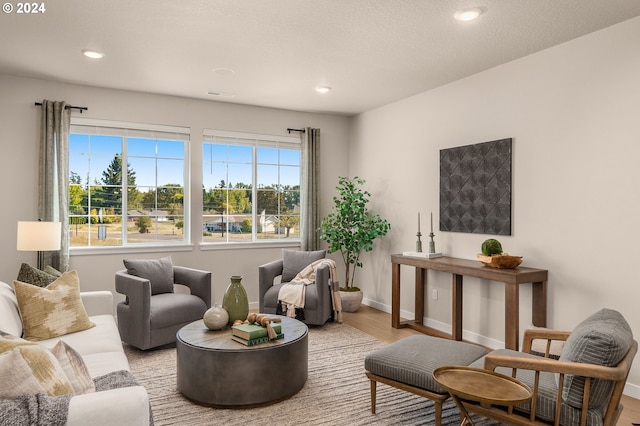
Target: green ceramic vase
x,y
235,300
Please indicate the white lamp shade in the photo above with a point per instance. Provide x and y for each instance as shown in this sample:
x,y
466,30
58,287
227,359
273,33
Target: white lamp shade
x,y
39,236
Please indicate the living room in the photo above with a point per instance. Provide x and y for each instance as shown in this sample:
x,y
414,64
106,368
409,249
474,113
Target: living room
x,y
571,110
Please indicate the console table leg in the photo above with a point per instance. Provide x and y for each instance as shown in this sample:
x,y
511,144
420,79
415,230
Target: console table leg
x,y
421,275
512,316
539,302
395,295
456,320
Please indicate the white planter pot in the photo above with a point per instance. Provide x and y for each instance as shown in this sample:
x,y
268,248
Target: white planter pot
x,y
351,300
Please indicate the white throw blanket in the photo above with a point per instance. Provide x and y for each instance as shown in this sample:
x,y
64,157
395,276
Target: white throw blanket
x,y
291,295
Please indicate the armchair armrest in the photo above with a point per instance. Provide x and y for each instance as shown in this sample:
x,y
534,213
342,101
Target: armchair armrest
x,y
199,282
322,281
553,338
267,273
137,290
97,302
491,362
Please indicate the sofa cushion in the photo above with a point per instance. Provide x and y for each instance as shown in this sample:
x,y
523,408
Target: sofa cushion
x,y
74,368
27,368
602,339
159,272
10,321
294,261
54,310
31,275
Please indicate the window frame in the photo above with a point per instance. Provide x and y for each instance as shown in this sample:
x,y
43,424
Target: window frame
x,y
93,126
255,140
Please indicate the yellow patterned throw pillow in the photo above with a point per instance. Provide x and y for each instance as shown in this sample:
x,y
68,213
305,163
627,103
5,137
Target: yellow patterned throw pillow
x,y
52,311
27,369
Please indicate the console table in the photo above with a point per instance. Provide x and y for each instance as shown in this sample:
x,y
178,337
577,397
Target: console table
x,y
511,278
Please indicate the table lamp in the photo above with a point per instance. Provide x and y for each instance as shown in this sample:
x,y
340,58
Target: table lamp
x,y
39,236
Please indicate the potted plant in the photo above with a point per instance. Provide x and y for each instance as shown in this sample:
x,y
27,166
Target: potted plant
x,y
351,229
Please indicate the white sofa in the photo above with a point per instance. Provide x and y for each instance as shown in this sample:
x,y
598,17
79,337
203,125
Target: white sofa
x,y
102,352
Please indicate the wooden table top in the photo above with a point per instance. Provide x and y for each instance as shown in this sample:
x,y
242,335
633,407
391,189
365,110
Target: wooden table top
x,y
473,268
484,386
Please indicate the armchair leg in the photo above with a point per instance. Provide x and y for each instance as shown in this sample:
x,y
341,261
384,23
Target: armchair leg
x,y
438,406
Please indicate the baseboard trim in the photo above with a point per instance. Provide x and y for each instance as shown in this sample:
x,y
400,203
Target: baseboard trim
x,y
630,389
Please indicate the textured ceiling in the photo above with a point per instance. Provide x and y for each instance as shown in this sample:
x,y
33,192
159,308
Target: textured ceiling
x,y
371,52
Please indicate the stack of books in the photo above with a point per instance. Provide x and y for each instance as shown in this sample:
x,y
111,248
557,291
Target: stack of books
x,y
253,334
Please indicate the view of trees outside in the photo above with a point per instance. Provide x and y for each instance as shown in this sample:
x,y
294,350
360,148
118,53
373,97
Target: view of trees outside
x,y
228,207
151,185
154,206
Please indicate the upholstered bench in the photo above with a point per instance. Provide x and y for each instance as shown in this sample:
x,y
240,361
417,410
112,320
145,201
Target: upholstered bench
x,y
408,364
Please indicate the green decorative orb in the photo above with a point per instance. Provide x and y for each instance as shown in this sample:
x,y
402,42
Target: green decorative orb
x,y
491,247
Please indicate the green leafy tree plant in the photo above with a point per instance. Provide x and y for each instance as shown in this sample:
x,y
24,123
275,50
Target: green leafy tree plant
x,y
350,227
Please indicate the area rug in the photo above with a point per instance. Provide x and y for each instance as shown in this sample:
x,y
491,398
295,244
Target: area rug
x,y
337,390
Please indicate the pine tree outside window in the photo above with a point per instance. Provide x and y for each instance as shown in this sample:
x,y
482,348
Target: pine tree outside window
x,y
127,184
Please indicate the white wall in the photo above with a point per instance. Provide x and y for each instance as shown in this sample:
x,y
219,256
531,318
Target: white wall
x,y
573,113
19,120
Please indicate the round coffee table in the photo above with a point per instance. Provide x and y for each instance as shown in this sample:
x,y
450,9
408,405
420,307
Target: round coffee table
x,y
479,385
215,370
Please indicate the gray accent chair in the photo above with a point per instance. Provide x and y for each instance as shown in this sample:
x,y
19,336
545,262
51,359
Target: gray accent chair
x,y
147,320
317,302
590,372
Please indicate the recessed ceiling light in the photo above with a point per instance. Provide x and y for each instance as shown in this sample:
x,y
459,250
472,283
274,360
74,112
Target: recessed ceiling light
x,y
92,54
224,71
468,14
323,89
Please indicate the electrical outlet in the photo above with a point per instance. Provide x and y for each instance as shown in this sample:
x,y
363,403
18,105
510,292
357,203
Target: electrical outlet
x,y
434,294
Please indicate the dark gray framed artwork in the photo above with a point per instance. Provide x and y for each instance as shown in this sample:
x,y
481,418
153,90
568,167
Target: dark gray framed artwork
x,y
475,188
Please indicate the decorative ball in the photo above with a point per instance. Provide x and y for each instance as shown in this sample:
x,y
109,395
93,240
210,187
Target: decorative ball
x,y
215,318
491,247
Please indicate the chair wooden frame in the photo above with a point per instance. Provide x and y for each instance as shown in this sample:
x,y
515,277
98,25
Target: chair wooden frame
x,y
618,374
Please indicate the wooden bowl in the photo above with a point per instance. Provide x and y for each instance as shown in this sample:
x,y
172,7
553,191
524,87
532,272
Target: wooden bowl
x,y
502,261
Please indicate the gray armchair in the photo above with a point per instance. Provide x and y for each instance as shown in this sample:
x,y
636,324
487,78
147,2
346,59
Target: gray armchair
x,y
150,317
317,302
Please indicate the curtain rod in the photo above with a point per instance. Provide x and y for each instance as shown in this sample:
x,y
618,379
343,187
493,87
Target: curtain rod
x,y
68,107
295,130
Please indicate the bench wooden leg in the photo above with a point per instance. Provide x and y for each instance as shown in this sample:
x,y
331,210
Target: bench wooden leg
x,y
373,396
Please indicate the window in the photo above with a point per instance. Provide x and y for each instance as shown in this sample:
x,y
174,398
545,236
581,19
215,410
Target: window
x,y
127,184
251,187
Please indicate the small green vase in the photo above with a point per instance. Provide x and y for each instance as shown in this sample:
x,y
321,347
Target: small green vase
x,y
235,300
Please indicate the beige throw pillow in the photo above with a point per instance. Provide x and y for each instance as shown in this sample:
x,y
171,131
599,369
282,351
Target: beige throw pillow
x,y
27,369
52,311
74,367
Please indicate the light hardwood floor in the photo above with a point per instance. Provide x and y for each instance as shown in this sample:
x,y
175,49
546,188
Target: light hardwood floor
x,y
378,324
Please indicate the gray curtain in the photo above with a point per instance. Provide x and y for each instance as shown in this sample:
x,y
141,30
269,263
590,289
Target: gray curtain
x,y
53,201
309,189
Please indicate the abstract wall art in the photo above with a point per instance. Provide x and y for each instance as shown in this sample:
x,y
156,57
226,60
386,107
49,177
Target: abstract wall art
x,y
475,188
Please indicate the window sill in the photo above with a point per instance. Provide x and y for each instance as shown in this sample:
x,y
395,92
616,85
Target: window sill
x,y
249,245
85,251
